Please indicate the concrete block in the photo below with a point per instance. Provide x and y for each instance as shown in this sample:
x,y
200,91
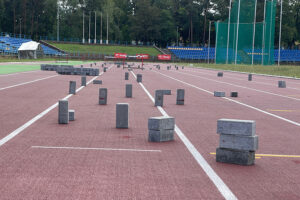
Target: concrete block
x,y
122,115
71,115
182,67
63,112
72,87
232,156
104,69
128,89
126,75
159,98
83,81
161,135
161,123
180,97
281,84
249,143
249,77
234,94
97,82
102,96
139,78
236,127
219,94
220,74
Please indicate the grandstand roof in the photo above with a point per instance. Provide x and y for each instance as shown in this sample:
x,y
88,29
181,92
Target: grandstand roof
x,y
29,46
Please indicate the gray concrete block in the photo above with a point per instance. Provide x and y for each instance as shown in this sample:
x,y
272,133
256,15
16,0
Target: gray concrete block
x,y
97,82
236,127
234,94
72,87
63,112
102,96
104,69
249,143
180,97
128,89
126,75
249,77
182,67
139,78
219,94
161,135
159,98
232,156
160,123
281,84
71,115
220,74
83,81
122,115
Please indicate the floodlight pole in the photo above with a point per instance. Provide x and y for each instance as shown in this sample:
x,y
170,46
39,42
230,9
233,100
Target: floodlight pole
x,y
271,24
57,37
83,27
228,31
254,27
208,41
279,48
216,43
237,32
90,27
263,38
177,36
101,30
95,42
20,26
107,28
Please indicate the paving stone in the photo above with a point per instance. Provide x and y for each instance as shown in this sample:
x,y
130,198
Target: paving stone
x,y
159,98
238,142
160,136
139,78
236,127
83,81
234,94
72,87
219,94
180,97
128,89
97,82
233,156
103,96
220,74
71,115
249,77
126,75
63,112
122,115
160,123
281,84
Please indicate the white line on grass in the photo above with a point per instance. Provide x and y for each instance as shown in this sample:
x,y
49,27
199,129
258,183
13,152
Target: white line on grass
x,y
221,186
30,122
262,91
243,104
40,79
97,149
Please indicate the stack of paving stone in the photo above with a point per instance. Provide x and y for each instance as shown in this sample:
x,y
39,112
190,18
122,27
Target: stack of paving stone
x,y
238,141
70,70
65,69
281,84
161,129
47,67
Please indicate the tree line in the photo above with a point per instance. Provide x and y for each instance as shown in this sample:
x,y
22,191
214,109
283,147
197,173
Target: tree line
x,y
161,22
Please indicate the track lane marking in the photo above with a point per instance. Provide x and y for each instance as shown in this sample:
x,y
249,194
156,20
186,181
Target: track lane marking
x,y
33,120
220,185
95,148
270,155
235,101
262,91
25,83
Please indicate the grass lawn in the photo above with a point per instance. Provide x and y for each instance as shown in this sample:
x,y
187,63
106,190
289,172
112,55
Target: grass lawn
x,y
8,69
106,49
283,70
14,59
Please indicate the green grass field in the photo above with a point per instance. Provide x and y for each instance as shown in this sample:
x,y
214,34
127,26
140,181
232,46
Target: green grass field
x,y
106,49
283,70
8,69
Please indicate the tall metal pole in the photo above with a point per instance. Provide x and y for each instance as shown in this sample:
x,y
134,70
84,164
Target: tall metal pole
x,y
83,27
279,48
107,28
95,42
90,28
57,37
228,31
216,43
237,32
263,36
271,24
208,41
254,27
177,36
101,30
20,26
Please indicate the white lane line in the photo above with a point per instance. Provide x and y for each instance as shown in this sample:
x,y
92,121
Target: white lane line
x,y
97,149
39,116
246,78
243,104
12,86
221,186
19,73
262,91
